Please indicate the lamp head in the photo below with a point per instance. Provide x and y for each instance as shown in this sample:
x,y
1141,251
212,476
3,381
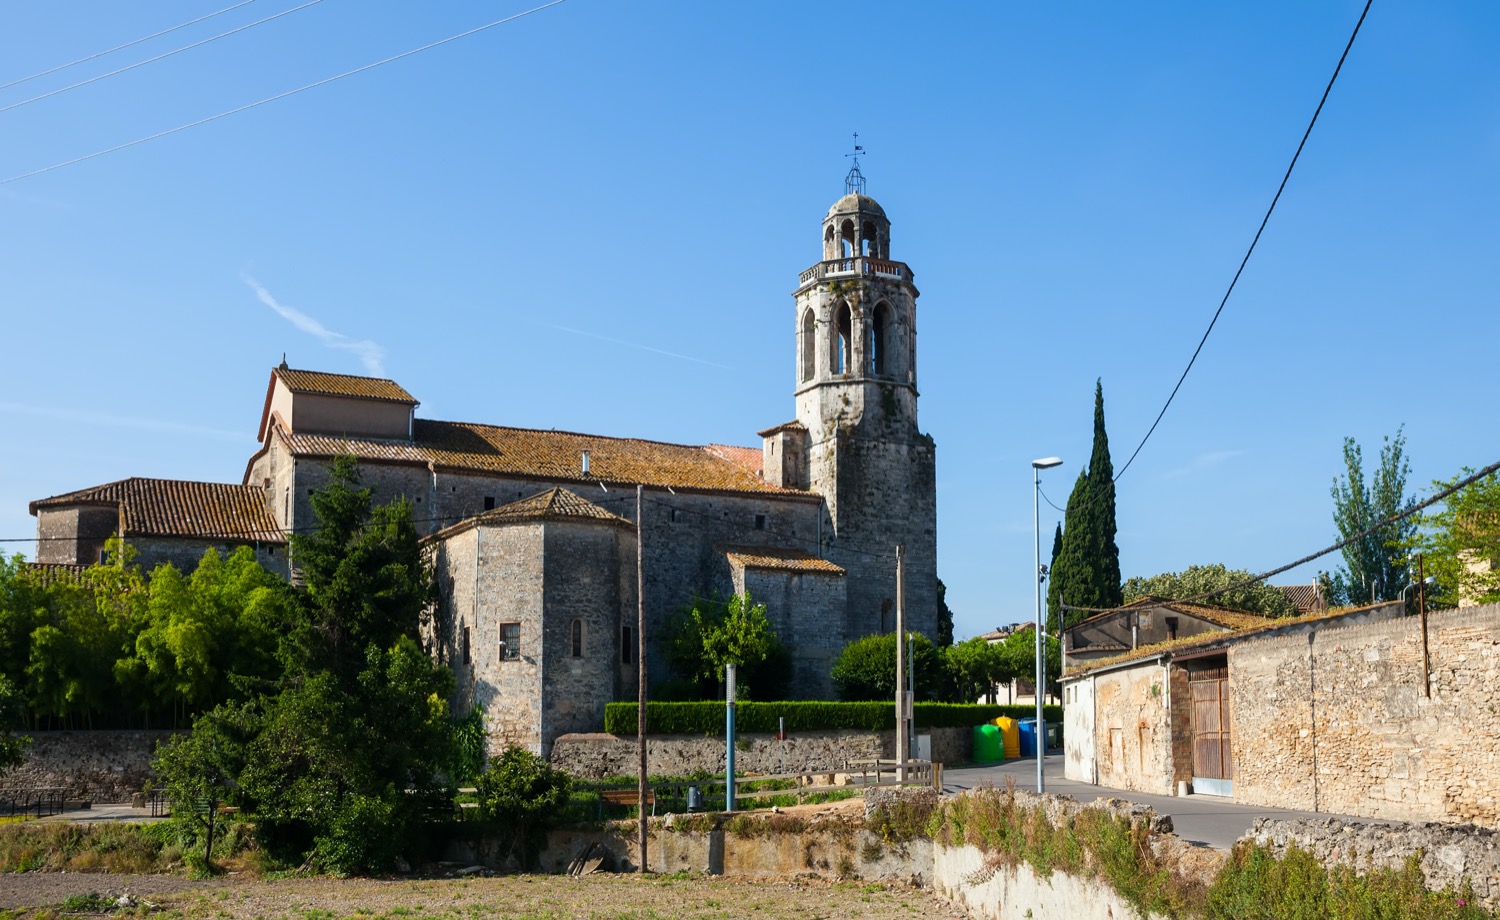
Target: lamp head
x,y
1046,463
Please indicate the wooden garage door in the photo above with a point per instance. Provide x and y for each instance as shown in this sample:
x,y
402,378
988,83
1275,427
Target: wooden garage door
x,y
1212,758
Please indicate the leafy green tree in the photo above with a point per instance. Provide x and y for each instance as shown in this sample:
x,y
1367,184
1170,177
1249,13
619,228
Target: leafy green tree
x,y
1376,565
866,669
1018,651
711,634
977,665
523,795
23,607
1195,580
944,616
1086,569
1460,543
12,745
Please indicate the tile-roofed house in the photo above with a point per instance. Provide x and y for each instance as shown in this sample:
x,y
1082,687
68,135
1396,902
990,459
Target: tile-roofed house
x,y
325,384
554,504
1159,714
1306,598
165,520
1147,621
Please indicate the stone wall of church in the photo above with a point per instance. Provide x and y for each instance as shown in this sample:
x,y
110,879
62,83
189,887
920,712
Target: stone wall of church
x,y
589,580
887,494
806,609
185,554
74,535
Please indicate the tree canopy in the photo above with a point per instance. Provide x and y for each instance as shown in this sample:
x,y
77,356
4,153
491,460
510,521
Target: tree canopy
x,y
1199,579
866,669
711,633
1085,569
1376,566
1460,543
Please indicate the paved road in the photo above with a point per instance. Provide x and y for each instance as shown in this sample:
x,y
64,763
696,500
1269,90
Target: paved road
x,y
1217,822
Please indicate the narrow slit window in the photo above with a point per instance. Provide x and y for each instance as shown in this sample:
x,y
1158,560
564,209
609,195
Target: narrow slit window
x,y
760,522
575,639
627,645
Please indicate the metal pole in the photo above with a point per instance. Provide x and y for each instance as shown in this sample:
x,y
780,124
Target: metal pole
x,y
729,737
1036,530
640,666
903,752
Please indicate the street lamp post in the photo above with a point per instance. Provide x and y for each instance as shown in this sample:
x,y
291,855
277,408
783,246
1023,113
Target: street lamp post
x,y
1046,463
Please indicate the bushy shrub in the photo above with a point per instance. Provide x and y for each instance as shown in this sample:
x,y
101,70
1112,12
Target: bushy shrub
x,y
522,795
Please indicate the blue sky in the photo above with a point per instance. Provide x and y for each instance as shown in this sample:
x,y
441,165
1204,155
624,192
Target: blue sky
x,y
592,219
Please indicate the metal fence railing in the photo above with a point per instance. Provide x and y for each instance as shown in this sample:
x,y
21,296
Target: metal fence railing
x,y
36,803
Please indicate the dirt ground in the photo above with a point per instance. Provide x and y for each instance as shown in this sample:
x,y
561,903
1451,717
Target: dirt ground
x,y
602,896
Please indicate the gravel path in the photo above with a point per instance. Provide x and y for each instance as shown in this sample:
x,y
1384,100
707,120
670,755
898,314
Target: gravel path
x,y
537,897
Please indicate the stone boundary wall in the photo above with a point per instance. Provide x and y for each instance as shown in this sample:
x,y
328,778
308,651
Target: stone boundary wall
x,y
94,766
1337,720
1450,854
596,755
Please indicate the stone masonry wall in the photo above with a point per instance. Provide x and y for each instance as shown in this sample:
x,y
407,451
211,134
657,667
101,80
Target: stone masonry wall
x,y
97,766
583,583
1336,720
1131,749
595,756
806,609
1449,854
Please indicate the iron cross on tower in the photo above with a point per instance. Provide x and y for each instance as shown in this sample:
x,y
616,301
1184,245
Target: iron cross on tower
x,y
854,183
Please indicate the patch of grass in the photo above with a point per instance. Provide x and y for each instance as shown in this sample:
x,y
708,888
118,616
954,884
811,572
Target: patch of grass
x,y
91,903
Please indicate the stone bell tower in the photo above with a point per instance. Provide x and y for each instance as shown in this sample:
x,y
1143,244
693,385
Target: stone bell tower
x,y
855,440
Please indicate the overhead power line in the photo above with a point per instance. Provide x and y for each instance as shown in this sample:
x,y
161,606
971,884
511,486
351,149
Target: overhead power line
x,y
152,60
1245,583
129,44
1265,220
292,92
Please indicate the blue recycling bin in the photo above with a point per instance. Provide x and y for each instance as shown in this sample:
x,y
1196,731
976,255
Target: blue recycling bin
x,y
1028,737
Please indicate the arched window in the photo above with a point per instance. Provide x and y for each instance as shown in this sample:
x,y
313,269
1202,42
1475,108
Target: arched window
x,y
809,346
575,639
830,250
880,340
846,237
843,339
870,241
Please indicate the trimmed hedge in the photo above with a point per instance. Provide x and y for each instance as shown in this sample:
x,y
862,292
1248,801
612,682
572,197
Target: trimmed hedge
x,y
707,718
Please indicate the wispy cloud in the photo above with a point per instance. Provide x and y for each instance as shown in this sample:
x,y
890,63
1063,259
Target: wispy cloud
x,y
605,338
1204,461
371,355
85,417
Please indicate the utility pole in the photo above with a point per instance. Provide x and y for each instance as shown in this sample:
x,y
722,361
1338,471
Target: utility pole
x,y
640,666
903,736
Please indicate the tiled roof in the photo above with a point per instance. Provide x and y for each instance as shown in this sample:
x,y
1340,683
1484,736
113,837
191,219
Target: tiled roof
x,y
793,425
51,573
551,505
176,508
1303,597
546,455
783,560
1219,616
748,457
1208,640
343,385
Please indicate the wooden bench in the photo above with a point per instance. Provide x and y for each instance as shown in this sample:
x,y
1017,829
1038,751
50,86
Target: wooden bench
x,y
627,797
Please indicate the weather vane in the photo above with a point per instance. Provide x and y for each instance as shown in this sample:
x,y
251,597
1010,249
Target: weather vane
x,y
854,183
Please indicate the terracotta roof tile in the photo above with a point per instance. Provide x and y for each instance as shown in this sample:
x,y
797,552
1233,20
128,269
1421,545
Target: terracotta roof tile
x,y
343,385
177,508
550,505
784,560
1221,616
1207,640
547,455
793,425
1304,597
748,457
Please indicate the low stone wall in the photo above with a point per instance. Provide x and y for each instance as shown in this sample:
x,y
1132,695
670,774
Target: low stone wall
x,y
597,755
983,888
101,766
1450,853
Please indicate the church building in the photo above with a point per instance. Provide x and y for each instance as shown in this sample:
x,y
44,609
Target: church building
x,y
533,534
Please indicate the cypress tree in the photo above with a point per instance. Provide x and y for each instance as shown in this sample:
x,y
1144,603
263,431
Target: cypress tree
x,y
1086,565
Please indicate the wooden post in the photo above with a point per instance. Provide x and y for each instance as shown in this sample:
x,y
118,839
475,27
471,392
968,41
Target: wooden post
x,y
640,665
1422,617
903,754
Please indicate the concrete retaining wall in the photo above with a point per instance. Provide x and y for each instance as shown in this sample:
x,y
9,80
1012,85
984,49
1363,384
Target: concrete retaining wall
x,y
986,889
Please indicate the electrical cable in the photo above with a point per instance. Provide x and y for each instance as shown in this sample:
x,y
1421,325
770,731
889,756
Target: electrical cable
x,y
1265,220
152,60
292,92
1049,501
129,44
1255,579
